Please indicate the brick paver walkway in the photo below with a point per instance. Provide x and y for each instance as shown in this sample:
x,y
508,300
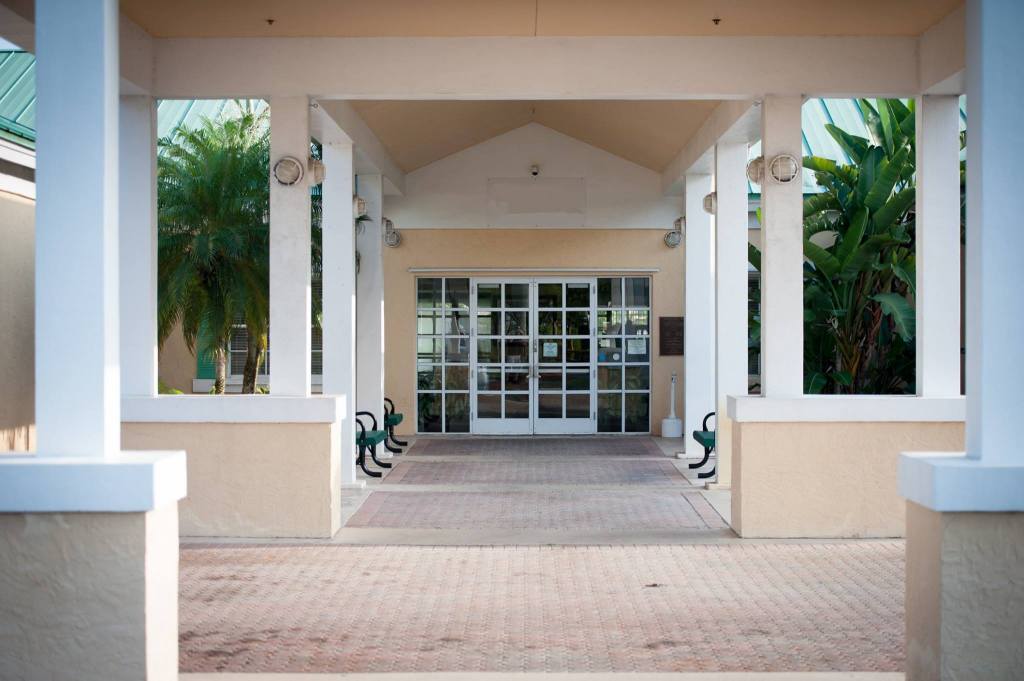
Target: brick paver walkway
x,y
535,472
537,446
735,606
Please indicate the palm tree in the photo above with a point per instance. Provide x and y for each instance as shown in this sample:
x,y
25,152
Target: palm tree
x,y
214,193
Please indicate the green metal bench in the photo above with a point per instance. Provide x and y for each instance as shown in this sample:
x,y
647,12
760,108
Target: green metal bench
x,y
391,419
706,439
367,441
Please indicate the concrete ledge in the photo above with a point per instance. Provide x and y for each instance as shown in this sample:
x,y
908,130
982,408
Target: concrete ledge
x,y
847,408
952,482
232,409
128,482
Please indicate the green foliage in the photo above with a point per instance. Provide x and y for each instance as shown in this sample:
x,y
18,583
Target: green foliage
x,y
214,191
859,247
164,389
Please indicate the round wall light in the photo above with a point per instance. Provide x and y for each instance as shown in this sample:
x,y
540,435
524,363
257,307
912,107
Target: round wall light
x,y
288,170
358,207
711,203
392,237
673,239
317,171
755,170
784,169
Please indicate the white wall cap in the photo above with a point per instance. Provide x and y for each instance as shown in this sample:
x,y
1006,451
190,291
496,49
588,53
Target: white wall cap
x,y
128,482
232,409
847,408
952,482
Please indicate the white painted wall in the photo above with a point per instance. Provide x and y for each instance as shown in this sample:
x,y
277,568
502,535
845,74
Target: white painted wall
x,y
453,192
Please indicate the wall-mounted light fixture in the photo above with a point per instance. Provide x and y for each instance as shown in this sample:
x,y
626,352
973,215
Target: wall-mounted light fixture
x,y
711,203
675,237
392,237
784,168
288,170
755,170
317,171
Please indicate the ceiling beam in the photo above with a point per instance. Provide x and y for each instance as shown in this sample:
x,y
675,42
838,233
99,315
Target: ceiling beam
x,y
537,68
731,121
942,56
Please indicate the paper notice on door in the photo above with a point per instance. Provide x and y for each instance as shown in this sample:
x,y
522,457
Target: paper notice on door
x,y
636,346
550,350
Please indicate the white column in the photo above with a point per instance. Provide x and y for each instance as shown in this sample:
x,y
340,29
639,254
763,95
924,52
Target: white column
x,y
77,382
699,329
370,301
995,278
938,245
339,294
731,276
782,255
290,294
138,246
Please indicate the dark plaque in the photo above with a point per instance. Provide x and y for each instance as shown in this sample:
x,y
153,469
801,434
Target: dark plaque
x,y
670,335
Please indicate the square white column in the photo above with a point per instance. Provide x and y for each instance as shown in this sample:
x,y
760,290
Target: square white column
x,y
77,382
370,300
938,245
339,294
731,275
138,246
699,293
782,254
995,278
290,255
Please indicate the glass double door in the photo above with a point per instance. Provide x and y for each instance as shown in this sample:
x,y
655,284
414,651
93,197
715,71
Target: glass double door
x,y
533,356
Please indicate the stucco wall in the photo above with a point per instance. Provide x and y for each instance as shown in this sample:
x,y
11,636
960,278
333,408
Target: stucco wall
x,y
89,595
176,365
965,595
252,479
826,479
17,322
598,248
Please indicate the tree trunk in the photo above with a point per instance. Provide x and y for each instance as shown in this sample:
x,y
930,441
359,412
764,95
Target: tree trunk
x,y
253,358
221,380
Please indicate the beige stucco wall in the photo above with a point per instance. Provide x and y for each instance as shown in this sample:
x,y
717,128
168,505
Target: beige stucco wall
x,y
965,595
89,596
540,248
176,365
17,322
826,479
252,479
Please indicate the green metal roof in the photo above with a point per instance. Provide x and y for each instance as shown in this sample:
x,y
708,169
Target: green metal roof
x,y
18,98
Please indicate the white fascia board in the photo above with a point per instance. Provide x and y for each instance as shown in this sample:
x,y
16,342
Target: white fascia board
x,y
610,67
351,125
731,121
847,408
954,483
128,482
232,409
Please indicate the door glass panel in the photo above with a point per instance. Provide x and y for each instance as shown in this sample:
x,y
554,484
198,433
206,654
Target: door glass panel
x,y
517,351
457,294
456,378
488,378
609,378
488,295
488,406
488,350
456,350
609,322
638,378
549,379
609,350
456,412
428,378
609,413
517,295
637,350
577,379
551,351
549,406
456,323
517,379
609,292
638,292
577,350
577,295
429,410
638,323
637,412
428,323
517,406
488,323
549,295
517,323
577,406
549,323
428,293
577,323
428,349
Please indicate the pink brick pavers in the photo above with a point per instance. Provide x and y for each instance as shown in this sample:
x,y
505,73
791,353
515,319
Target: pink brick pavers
x,y
717,607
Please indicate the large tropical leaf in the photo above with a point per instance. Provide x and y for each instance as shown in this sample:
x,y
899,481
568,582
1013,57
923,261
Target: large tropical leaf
x,y
824,261
851,239
893,209
869,169
899,309
889,172
855,147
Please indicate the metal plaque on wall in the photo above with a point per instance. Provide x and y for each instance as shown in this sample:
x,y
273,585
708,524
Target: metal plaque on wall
x,y
670,335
